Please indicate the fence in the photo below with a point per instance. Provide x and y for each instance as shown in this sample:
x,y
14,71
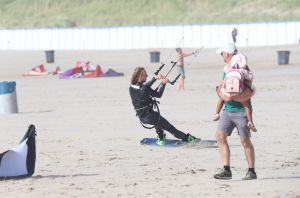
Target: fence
x,y
145,37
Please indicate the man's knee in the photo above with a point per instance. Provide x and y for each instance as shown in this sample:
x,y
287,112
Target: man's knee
x,y
246,143
221,136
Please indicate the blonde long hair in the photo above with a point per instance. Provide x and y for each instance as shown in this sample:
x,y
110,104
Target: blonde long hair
x,y
136,74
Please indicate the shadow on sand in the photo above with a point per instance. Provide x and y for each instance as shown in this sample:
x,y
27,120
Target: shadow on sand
x,y
32,112
46,176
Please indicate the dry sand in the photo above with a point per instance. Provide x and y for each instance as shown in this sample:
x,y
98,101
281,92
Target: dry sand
x,y
88,135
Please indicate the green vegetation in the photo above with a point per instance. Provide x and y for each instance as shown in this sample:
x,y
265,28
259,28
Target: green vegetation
x,y
95,13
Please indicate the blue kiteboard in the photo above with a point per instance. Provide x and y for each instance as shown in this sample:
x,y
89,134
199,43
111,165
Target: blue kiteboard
x,y
177,143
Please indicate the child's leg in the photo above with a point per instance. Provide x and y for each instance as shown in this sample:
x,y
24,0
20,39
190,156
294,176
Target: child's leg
x,y
218,109
248,110
223,95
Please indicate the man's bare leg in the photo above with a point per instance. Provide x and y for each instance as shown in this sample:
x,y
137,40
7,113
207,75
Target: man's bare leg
x,y
249,151
223,147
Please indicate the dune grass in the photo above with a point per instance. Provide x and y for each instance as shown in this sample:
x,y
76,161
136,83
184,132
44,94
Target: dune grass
x,y
98,13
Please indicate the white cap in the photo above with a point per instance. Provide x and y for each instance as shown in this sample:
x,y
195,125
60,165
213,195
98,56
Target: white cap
x,y
228,48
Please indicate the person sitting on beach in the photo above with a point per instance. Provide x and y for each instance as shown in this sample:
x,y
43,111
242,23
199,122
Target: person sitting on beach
x,y
57,71
237,75
143,100
86,66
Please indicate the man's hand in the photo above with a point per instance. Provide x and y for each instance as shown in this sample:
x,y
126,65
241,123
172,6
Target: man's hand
x,y
164,81
196,52
159,77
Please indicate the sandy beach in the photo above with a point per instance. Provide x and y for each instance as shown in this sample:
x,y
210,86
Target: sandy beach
x,y
88,135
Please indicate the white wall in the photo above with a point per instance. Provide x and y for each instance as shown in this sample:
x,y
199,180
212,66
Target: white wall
x,y
143,37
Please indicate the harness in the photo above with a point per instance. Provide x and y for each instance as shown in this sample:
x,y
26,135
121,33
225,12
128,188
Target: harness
x,y
154,104
147,109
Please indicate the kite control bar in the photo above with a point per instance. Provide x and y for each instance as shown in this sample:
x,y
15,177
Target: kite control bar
x,y
172,82
158,70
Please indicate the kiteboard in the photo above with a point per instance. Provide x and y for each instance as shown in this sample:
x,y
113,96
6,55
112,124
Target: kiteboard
x,y
178,143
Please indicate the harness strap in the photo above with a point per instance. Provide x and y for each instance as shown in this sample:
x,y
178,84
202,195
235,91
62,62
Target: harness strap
x,y
155,106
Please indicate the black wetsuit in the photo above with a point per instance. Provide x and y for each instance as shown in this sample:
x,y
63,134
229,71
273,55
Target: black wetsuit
x,y
142,99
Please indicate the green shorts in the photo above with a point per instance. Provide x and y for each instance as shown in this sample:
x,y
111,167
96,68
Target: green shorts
x,y
231,120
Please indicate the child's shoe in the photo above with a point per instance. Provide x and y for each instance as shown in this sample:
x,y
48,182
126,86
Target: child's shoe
x,y
251,126
216,117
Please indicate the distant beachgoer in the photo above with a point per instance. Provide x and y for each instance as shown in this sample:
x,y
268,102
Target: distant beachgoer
x,y
234,34
180,66
57,71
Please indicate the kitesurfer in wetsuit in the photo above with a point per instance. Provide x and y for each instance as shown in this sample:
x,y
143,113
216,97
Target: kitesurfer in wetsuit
x,y
143,100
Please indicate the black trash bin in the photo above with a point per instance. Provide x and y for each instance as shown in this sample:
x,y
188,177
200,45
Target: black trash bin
x,y
283,57
50,56
154,57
